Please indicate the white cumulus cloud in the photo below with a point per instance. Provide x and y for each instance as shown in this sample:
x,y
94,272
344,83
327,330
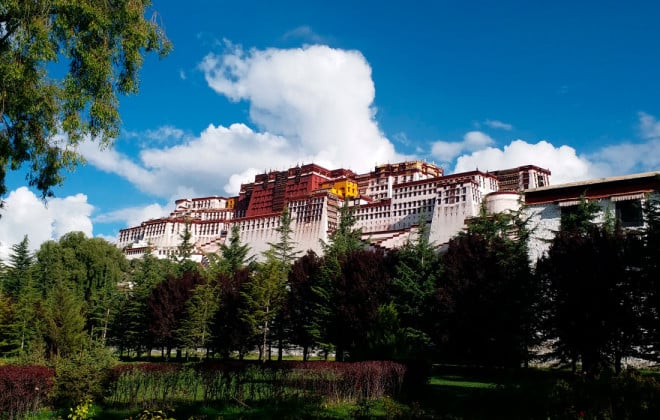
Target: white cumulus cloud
x,y
319,98
26,214
563,161
446,151
311,104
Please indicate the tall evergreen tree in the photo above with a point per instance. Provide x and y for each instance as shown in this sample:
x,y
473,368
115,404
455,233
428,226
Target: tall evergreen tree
x,y
488,298
6,308
231,257
65,322
185,249
301,306
592,293
94,267
343,241
130,331
265,295
24,328
20,270
230,331
196,326
414,285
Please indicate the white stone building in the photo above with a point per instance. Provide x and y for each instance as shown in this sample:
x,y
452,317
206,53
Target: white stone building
x,y
389,203
621,196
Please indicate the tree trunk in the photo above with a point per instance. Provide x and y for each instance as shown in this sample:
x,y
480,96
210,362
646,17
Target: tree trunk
x,y
265,336
339,354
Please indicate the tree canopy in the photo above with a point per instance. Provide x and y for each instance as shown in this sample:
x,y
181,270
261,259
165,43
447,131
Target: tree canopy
x,y
63,64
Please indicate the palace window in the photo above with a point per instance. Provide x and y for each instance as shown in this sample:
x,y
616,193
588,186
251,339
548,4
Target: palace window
x,y
629,213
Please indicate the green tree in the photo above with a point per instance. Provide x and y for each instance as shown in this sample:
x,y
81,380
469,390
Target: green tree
x,y
24,329
414,286
592,296
94,267
346,238
50,266
301,301
20,270
98,49
231,257
265,294
197,324
579,218
185,249
65,322
284,251
488,299
130,331
5,319
343,241
230,331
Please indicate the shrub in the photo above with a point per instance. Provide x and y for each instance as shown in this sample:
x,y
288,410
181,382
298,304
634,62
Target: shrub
x,y
23,389
82,376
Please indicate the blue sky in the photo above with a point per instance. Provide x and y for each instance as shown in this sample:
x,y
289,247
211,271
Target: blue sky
x,y
256,85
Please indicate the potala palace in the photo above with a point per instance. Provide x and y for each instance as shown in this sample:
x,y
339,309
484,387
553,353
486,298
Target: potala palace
x,y
389,203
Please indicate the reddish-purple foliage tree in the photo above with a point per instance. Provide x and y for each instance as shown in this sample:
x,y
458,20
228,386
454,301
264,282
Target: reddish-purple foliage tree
x,y
167,307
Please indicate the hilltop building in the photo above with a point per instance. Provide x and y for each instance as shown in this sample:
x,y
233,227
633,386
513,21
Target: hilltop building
x,y
389,203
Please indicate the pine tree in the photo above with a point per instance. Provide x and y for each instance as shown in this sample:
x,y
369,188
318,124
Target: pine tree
x,y
591,298
196,327
230,331
579,218
130,330
488,299
24,327
65,322
301,300
20,267
265,295
231,257
414,285
344,241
